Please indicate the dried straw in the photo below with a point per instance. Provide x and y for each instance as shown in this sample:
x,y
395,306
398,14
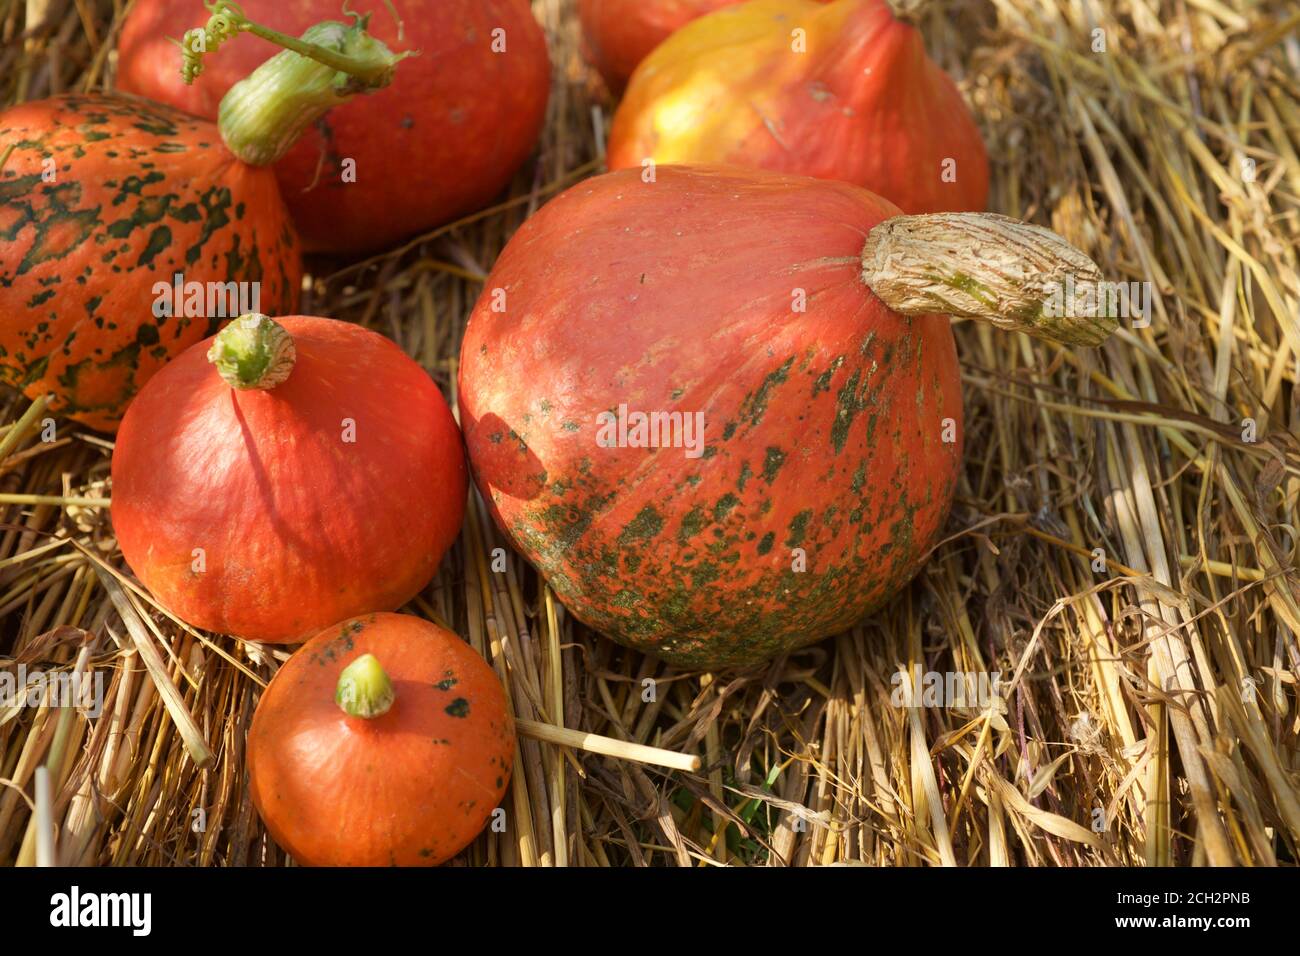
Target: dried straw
x,y
1151,711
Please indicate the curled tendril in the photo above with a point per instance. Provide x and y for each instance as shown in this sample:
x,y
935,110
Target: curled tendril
x,y
227,21
369,68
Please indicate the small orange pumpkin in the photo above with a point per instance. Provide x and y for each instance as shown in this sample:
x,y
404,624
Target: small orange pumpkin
x,y
286,474
385,741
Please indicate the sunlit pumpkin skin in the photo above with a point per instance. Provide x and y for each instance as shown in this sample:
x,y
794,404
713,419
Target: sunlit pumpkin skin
x,y
441,141
863,104
298,526
411,787
139,193
617,34
824,429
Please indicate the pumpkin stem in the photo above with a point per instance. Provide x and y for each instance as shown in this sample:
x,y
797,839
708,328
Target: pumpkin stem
x,y
989,267
364,690
263,115
253,352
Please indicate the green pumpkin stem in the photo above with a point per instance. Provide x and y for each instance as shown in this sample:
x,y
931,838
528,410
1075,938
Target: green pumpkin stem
x,y
253,352
263,115
364,690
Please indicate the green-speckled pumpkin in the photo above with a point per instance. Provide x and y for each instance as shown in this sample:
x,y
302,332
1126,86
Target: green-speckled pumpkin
x,y
824,474
102,199
793,323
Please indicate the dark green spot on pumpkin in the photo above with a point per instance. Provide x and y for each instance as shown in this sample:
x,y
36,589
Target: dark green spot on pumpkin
x,y
59,231
755,404
859,477
647,523
692,523
823,381
187,213
772,463
798,528
215,203
850,401
745,474
157,125
159,239
134,186
724,505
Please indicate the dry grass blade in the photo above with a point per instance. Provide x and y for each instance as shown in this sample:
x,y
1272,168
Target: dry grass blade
x,y
144,643
596,744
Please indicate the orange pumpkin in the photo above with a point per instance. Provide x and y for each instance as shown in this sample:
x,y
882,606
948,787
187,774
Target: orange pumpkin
x,y
384,741
837,91
104,201
721,411
442,141
284,475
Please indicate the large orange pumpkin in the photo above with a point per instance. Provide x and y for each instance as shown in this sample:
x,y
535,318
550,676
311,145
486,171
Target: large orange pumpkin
x,y
104,200
618,34
840,91
444,139
384,741
287,474
688,404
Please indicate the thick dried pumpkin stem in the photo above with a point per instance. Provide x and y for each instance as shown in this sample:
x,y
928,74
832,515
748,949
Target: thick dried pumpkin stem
x,y
364,690
263,115
253,352
984,266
